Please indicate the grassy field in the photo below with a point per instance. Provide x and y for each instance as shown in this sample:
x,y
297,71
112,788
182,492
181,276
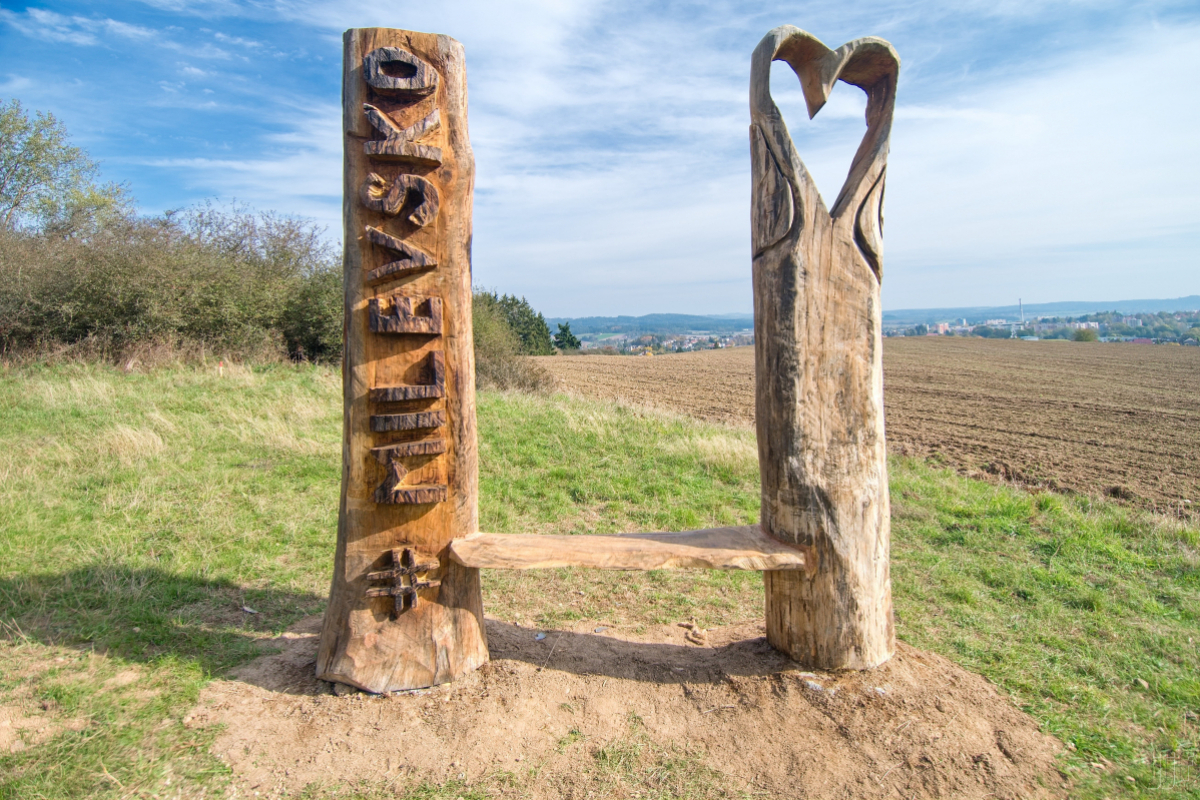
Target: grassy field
x,y
155,527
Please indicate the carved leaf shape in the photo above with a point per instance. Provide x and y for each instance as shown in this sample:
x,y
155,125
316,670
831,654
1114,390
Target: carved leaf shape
x,y
868,227
772,209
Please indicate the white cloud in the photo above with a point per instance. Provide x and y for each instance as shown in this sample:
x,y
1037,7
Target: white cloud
x,y
611,141
38,23
1059,183
613,167
297,172
42,24
204,8
15,84
47,25
237,40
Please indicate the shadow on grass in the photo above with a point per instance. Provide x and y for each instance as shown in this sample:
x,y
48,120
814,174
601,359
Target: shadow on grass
x,y
148,614
151,615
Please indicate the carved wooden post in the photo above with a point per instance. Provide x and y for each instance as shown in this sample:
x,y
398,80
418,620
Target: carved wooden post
x,y
818,359
402,615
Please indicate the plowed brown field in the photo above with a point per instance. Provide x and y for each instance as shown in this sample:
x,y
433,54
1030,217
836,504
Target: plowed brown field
x,y
1115,419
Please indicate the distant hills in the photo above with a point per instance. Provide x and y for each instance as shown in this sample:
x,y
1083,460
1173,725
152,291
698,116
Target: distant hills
x,y
976,314
668,324
663,324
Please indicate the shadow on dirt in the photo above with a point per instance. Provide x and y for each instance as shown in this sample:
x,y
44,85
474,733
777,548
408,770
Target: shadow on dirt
x,y
740,652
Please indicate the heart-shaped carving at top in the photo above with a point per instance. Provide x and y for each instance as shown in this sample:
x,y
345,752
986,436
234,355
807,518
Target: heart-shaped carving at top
x,y
784,191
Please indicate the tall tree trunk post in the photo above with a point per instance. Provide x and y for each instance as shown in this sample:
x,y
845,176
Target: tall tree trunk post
x,y
818,360
401,614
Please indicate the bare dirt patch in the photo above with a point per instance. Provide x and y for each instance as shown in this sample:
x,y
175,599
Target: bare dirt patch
x,y
575,713
1120,420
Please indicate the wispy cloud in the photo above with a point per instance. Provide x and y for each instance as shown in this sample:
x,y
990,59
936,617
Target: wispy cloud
x,y
1040,148
297,171
237,40
42,24
15,84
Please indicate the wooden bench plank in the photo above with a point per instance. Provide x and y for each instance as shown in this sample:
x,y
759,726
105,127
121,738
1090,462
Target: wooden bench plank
x,y
712,548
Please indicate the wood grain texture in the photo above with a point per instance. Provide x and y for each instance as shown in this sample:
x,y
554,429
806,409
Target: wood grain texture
x,y
433,386
415,438
818,361
712,548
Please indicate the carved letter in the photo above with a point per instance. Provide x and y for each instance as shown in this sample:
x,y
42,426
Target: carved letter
x,y
393,491
421,79
400,144
391,452
411,258
407,191
403,319
381,423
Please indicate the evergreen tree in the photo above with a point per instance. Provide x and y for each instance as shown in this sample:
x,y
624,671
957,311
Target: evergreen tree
x,y
564,339
529,326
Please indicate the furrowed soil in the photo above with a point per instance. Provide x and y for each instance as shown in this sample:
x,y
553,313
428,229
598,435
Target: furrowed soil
x,y
1092,418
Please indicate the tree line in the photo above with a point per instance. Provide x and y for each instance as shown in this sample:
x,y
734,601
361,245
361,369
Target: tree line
x,y
81,271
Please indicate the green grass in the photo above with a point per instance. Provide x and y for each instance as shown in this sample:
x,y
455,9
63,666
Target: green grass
x,y
140,513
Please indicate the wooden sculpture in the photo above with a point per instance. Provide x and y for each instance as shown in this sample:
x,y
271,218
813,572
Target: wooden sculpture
x,y
405,609
401,614
818,361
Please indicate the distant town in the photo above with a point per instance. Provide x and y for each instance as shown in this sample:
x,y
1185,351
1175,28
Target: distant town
x,y
1180,327
658,343
1174,328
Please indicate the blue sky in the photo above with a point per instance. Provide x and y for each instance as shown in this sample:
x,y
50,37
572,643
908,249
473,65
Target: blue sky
x,y
1041,150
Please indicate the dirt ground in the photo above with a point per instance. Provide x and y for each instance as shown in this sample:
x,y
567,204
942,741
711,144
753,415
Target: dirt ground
x,y
1116,419
580,713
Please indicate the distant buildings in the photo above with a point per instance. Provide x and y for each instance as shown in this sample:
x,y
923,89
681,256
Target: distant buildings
x,y
646,344
1181,327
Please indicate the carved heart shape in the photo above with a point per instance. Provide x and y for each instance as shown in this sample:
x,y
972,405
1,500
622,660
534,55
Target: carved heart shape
x,y
782,182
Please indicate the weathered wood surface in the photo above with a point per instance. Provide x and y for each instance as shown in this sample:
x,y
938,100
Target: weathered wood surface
x,y
433,385
712,548
410,472
818,361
